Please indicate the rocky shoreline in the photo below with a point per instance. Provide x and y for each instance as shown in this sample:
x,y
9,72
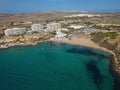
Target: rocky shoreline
x,y
114,73
23,40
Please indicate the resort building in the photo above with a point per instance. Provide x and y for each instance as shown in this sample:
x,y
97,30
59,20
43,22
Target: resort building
x,y
15,31
59,34
85,29
37,27
76,27
54,26
83,15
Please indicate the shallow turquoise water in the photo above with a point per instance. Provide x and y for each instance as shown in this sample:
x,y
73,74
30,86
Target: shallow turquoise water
x,y
54,66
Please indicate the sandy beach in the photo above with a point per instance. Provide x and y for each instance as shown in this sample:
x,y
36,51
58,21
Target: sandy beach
x,y
81,41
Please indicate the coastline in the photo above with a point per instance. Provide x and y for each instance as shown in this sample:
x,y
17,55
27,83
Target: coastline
x,y
87,42
84,42
25,40
24,44
78,41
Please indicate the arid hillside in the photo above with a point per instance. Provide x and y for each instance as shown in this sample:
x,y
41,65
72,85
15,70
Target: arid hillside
x,y
35,17
25,20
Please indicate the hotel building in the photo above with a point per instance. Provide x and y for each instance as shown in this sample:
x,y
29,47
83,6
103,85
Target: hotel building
x,y
54,26
15,31
37,27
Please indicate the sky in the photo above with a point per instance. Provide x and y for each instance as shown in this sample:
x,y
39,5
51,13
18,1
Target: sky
x,y
33,6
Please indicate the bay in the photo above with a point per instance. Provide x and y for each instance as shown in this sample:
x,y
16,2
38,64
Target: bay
x,y
55,66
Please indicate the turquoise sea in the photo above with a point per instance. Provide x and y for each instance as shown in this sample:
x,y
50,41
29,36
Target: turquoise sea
x,y
55,66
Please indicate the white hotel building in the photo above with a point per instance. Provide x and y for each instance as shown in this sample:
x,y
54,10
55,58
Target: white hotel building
x,y
54,26
15,31
37,28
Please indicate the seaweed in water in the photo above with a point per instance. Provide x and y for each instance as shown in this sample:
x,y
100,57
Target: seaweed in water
x,y
101,57
87,52
81,51
94,73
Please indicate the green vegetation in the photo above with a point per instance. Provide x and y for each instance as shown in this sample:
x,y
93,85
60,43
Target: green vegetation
x,y
104,38
108,40
99,36
109,27
101,27
53,33
88,23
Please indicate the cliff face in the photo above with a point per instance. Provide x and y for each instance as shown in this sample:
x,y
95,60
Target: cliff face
x,y
118,41
114,45
118,52
111,43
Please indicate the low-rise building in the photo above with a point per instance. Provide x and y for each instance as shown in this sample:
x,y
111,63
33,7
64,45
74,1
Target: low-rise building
x,y
54,26
37,27
15,31
87,30
83,15
76,26
59,34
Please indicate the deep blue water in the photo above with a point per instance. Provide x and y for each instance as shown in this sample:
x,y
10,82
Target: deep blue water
x,y
55,66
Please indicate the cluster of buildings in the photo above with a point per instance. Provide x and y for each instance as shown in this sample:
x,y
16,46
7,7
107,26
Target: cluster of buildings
x,y
88,30
51,27
83,15
36,28
85,29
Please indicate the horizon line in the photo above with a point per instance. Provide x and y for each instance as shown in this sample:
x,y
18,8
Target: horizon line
x,y
82,11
